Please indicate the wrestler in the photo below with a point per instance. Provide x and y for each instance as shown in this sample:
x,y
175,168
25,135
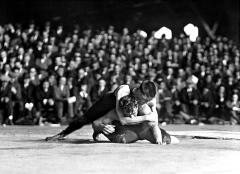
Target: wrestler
x,y
128,134
144,94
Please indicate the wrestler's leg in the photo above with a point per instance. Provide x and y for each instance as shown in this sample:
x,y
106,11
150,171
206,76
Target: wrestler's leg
x,y
97,110
123,134
133,133
149,132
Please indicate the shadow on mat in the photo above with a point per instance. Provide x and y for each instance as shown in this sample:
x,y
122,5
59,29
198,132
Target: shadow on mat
x,y
77,141
64,141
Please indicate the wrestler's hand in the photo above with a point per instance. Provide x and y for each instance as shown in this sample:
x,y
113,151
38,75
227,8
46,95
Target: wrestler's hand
x,y
108,129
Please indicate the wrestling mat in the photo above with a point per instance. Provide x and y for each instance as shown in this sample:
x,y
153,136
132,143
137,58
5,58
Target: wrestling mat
x,y
225,135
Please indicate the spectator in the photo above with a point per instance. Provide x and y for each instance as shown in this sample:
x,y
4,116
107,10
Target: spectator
x,y
180,116
83,100
222,111
16,96
45,103
98,90
191,99
165,96
86,56
73,90
27,116
43,63
207,104
61,96
235,109
6,116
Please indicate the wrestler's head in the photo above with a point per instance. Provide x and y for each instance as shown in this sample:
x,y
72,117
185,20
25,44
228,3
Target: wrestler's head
x,y
145,92
129,106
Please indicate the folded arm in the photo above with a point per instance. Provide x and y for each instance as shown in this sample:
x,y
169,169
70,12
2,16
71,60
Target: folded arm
x,y
151,116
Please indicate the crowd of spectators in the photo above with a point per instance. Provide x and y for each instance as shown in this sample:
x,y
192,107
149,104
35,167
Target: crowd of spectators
x,y
50,75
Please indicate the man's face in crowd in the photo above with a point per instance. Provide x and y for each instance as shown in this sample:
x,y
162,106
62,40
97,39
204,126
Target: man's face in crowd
x,y
45,85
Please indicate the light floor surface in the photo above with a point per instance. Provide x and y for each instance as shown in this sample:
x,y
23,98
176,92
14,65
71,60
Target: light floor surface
x,y
24,151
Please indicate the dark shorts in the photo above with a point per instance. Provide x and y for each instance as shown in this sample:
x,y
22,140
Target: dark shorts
x,y
133,133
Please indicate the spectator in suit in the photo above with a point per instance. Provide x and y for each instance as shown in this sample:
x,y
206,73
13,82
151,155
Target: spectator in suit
x,y
165,101
222,110
45,103
34,77
28,61
128,80
98,90
234,105
43,64
5,100
207,104
61,96
28,101
52,80
81,77
180,115
191,99
83,102
16,96
73,90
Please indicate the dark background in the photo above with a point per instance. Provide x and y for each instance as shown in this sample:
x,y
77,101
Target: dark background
x,y
136,14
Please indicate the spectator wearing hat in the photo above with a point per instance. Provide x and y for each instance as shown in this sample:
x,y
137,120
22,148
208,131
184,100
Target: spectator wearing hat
x,y
6,111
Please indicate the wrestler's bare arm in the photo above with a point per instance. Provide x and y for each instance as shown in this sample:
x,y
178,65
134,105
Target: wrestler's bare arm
x,y
145,109
123,91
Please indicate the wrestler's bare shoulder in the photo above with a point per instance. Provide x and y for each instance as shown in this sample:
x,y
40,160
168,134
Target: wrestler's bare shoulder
x,y
121,91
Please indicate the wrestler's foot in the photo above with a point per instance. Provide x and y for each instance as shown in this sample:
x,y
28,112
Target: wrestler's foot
x,y
57,137
95,136
174,140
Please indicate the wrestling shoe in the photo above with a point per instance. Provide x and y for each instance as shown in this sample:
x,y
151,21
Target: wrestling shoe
x,y
57,137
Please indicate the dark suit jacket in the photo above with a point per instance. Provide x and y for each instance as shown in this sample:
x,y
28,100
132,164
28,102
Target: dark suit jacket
x,y
41,95
95,94
28,93
5,92
61,95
